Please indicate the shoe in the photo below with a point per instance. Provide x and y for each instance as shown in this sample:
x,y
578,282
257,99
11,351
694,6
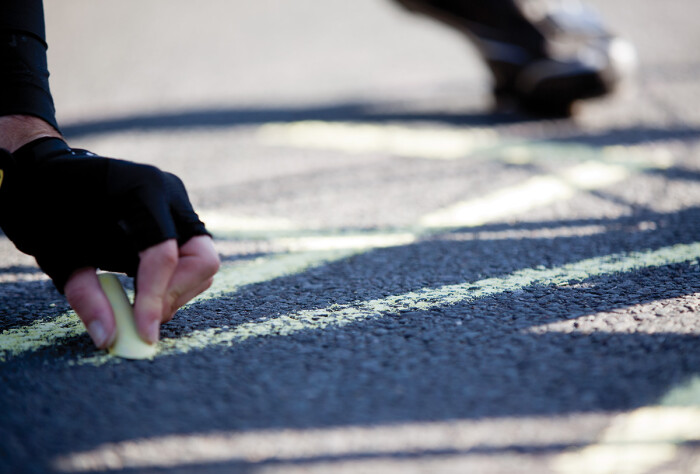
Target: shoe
x,y
544,55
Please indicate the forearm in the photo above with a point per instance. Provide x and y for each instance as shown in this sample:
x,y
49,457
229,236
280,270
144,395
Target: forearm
x,y
24,75
18,130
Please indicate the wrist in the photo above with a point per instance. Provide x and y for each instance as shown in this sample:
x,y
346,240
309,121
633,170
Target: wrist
x,y
18,130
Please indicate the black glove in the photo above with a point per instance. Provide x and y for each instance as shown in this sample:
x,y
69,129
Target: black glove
x,y
71,209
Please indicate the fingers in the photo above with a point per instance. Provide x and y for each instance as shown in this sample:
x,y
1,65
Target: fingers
x,y
156,269
167,279
198,263
85,295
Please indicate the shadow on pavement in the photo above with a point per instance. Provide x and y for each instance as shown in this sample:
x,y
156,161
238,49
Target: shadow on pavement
x,y
357,112
473,360
212,118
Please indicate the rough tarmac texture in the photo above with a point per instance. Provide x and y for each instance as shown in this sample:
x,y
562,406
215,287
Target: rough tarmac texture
x,y
370,315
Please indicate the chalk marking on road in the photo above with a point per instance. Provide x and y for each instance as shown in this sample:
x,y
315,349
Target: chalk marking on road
x,y
442,143
427,298
44,333
308,253
642,440
231,277
536,192
301,240
341,442
350,241
226,223
39,334
546,231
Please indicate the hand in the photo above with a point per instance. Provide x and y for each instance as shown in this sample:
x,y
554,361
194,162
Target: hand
x,y
168,278
75,212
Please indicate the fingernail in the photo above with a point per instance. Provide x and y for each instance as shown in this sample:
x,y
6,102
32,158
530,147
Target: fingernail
x,y
98,333
153,332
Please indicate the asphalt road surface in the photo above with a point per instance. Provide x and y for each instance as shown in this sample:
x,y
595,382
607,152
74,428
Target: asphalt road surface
x,y
410,283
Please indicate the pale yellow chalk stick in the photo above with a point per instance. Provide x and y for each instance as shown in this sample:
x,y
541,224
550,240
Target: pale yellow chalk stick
x,y
128,343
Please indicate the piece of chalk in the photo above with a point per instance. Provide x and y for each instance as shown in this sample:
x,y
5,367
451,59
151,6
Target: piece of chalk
x,y
128,344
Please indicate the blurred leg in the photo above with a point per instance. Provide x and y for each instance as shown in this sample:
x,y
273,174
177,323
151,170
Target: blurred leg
x,y
543,54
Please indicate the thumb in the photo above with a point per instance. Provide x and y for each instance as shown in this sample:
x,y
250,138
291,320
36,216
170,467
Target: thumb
x,y
85,295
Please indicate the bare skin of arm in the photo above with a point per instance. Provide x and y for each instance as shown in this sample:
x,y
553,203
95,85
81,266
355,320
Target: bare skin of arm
x,y
18,130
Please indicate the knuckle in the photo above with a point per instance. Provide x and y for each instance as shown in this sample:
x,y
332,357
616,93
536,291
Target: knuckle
x,y
208,261
150,314
169,309
173,180
162,255
169,258
171,299
211,265
207,283
150,173
77,296
75,288
167,317
145,179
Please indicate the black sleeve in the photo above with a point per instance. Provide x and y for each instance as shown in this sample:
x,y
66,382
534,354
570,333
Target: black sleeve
x,y
24,75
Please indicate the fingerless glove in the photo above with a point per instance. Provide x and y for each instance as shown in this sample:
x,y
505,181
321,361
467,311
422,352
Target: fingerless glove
x,y
70,208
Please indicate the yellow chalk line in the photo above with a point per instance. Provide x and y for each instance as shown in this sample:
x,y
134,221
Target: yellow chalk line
x,y
39,334
43,333
234,276
447,143
305,254
226,223
426,299
369,138
535,192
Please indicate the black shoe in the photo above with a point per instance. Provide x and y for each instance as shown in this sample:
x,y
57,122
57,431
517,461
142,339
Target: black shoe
x,y
544,55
